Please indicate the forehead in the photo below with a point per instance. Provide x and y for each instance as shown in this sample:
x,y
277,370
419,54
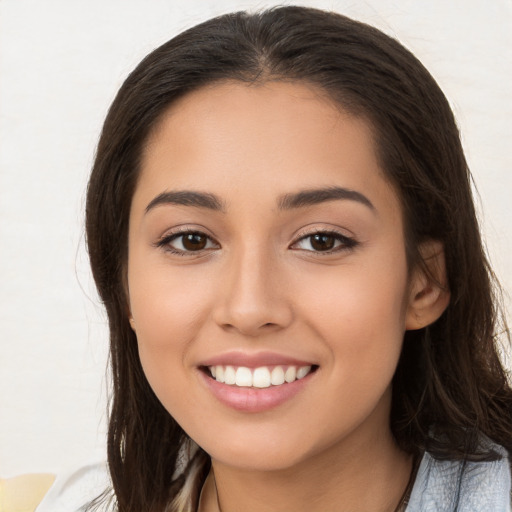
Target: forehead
x,y
253,112
274,136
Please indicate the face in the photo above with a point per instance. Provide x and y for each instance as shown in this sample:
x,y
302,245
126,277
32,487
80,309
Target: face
x,y
266,249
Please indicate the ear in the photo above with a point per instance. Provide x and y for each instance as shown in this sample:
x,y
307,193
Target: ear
x,y
130,318
128,305
429,294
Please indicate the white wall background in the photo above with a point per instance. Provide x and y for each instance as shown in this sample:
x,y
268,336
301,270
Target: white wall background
x,y
61,63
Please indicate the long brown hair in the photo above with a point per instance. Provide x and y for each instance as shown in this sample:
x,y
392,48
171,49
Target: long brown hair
x,y
450,386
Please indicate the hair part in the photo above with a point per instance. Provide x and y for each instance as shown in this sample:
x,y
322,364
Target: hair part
x,y
450,387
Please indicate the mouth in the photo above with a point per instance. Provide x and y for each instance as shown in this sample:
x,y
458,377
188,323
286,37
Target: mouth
x,y
258,378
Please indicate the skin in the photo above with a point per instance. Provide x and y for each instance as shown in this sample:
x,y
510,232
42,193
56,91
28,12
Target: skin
x,y
260,285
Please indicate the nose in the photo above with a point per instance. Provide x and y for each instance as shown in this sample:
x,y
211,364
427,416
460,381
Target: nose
x,y
253,299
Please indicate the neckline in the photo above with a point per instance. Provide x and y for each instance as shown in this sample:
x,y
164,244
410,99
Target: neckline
x,y
401,507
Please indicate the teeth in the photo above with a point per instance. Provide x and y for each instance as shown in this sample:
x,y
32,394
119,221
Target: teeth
x,y
261,377
229,375
277,376
290,374
303,371
243,377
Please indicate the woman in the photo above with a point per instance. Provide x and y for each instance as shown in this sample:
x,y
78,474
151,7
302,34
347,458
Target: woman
x,y
302,317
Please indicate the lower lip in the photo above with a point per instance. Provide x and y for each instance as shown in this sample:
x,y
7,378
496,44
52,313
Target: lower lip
x,y
254,399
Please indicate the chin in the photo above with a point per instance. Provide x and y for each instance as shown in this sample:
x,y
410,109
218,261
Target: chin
x,y
258,461
268,453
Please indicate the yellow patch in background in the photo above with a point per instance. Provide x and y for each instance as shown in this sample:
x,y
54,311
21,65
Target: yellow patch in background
x,y
24,493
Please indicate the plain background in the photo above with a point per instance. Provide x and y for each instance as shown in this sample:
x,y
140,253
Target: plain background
x,y
61,63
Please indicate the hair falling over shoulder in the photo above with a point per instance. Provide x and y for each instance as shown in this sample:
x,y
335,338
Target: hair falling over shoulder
x,y
450,388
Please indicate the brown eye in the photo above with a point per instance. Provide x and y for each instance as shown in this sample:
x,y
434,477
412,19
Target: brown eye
x,y
326,242
323,242
187,242
194,241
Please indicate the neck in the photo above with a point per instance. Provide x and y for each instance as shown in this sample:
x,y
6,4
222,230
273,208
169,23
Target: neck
x,y
370,477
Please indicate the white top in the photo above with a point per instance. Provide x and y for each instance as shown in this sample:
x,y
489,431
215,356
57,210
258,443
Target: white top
x,y
74,489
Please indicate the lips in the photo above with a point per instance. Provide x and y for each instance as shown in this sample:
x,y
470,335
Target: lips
x,y
255,360
256,382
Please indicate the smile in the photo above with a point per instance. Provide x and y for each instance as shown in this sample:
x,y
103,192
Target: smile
x,y
255,388
261,377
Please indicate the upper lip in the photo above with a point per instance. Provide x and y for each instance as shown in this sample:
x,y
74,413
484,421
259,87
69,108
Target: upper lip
x,y
254,360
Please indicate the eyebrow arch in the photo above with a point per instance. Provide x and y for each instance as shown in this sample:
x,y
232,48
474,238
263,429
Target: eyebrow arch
x,y
187,198
321,195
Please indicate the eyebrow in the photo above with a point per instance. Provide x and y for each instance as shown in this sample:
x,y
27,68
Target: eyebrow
x,y
187,198
299,199
316,196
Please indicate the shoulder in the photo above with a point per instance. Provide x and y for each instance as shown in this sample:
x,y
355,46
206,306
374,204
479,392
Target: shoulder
x,y
446,486
74,489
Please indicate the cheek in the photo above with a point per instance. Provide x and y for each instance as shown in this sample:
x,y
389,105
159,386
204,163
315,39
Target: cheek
x,y
165,304
354,298
168,310
360,315
360,320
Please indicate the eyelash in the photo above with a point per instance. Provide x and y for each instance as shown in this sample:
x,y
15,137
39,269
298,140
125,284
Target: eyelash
x,y
345,243
165,242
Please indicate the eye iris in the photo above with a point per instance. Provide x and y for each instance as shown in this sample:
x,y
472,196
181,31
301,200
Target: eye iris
x,y
321,242
194,241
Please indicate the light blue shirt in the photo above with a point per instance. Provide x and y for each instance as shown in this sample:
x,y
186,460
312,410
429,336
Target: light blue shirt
x,y
455,486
